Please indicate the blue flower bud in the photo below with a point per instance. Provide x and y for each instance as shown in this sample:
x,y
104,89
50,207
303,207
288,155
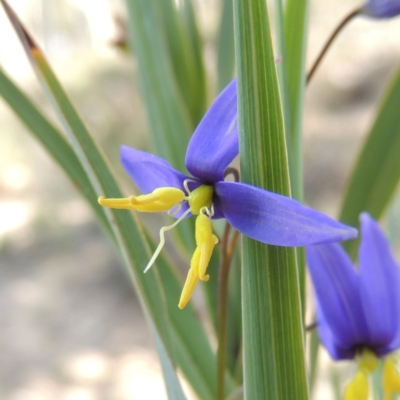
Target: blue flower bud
x,y
382,8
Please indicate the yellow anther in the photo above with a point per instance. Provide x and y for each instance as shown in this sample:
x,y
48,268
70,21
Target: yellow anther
x,y
162,195
190,284
205,241
391,378
200,197
368,361
357,389
116,203
161,199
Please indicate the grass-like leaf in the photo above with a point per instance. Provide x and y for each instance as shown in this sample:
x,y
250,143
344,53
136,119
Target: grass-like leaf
x,y
282,70
132,244
296,20
191,345
225,46
167,114
376,171
173,386
184,51
274,366
169,119
54,142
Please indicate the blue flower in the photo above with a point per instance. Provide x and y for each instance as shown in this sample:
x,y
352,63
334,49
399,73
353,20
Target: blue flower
x,y
358,311
259,214
382,8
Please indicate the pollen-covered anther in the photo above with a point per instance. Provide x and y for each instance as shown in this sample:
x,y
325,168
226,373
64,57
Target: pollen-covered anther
x,y
205,241
357,389
161,195
391,378
161,199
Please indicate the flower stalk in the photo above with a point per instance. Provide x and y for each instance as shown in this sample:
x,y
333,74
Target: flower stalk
x,y
349,17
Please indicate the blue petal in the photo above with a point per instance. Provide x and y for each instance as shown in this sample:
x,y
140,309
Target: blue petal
x,y
328,339
382,8
379,287
215,142
149,171
275,219
339,306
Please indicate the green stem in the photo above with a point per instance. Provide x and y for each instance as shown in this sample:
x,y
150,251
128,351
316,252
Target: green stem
x,y
333,36
227,253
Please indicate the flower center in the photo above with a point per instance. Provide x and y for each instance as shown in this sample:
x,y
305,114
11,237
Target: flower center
x,y
170,199
201,199
358,389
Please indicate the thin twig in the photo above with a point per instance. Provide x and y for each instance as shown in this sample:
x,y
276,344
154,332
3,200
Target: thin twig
x,y
234,172
344,22
311,326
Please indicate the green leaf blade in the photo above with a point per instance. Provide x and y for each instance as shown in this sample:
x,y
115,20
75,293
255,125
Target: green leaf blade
x,y
225,47
54,142
130,238
169,119
296,24
167,114
376,172
190,339
274,365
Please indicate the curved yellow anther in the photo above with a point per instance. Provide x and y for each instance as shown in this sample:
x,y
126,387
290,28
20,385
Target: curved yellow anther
x,y
391,378
357,389
162,194
191,280
200,197
368,361
116,203
161,199
205,241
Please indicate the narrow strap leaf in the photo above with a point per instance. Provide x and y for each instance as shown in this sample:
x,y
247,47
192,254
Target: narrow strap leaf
x,y
132,244
168,116
225,47
54,142
273,348
296,24
376,172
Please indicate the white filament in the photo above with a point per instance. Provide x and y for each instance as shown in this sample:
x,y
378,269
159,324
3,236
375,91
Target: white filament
x,y
185,184
162,239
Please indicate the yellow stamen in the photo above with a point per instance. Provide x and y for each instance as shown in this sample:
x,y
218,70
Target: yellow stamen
x,y
170,199
205,241
163,195
200,197
391,378
368,361
357,389
116,203
161,199
191,280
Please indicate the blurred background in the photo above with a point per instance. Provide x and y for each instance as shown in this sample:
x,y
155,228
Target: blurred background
x,y
71,326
